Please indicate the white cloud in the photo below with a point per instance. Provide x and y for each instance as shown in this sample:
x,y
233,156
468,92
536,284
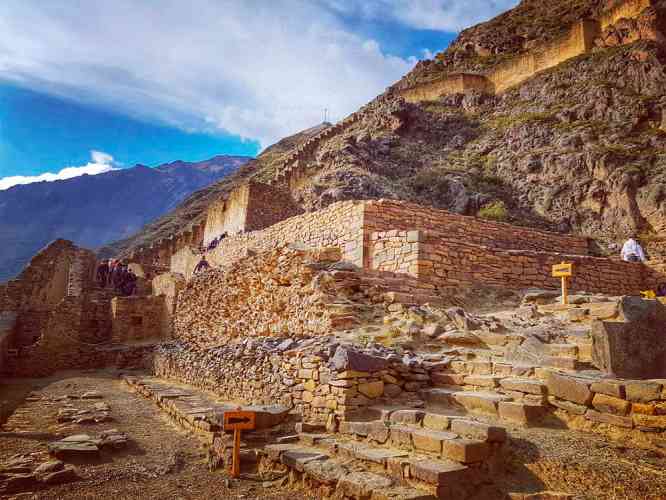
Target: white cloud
x,y
101,162
259,69
440,15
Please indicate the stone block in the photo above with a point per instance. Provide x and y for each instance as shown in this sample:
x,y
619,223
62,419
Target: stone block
x,y
465,451
520,413
407,417
478,430
605,418
439,378
643,392
652,422
401,436
526,385
346,359
362,484
632,348
372,389
438,472
612,388
484,402
568,388
567,406
429,440
489,381
436,422
609,404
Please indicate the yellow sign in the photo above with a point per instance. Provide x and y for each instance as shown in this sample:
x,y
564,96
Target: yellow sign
x,y
649,294
563,270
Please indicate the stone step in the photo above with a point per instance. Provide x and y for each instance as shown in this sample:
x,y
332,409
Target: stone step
x,y
328,476
562,350
563,363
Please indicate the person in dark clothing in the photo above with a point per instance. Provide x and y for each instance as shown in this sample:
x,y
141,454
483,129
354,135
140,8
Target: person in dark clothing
x,y
119,277
213,244
202,265
129,284
113,268
661,290
102,273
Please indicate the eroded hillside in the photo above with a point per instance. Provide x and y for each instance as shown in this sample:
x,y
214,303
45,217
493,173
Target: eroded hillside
x,y
578,147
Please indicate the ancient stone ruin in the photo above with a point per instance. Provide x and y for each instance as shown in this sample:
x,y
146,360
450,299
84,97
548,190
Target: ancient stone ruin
x,y
388,350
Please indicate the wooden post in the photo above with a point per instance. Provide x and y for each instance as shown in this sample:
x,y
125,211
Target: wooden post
x,y
237,421
565,292
563,271
235,463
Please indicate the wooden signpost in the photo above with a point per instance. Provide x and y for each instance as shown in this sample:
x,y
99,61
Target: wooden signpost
x,y
238,421
564,271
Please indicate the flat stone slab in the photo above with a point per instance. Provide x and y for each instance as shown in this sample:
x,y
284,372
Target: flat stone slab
x,y
80,445
298,457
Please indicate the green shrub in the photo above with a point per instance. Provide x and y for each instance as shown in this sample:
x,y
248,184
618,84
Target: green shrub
x,y
494,211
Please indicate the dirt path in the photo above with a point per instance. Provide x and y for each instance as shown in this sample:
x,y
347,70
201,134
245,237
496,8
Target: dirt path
x,y
160,461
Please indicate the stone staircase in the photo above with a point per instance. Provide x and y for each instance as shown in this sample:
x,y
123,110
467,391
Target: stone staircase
x,y
394,453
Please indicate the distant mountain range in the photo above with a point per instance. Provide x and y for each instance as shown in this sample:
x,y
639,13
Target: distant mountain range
x,y
95,210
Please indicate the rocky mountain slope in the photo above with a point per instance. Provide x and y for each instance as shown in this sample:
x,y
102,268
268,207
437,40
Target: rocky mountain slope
x,y
94,210
580,147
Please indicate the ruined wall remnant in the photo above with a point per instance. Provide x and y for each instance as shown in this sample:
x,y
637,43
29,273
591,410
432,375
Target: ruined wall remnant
x,y
280,293
184,261
579,40
7,325
625,9
137,318
451,84
249,207
58,271
168,286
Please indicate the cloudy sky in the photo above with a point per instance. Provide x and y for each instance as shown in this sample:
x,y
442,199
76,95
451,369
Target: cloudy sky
x,y
96,84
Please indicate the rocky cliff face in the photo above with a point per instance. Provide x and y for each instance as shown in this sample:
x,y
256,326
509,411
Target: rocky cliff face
x,y
94,210
580,147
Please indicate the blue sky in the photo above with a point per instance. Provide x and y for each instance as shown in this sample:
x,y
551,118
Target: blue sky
x,y
91,86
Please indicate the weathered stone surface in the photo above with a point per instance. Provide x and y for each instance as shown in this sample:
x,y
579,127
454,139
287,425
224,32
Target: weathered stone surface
x,y
296,458
478,430
372,389
324,471
438,472
79,445
429,440
658,423
407,417
609,404
612,388
435,421
401,436
634,347
527,385
465,451
568,388
346,358
574,408
605,418
484,402
521,413
643,392
362,484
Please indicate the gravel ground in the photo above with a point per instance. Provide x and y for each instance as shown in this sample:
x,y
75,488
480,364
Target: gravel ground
x,y
161,461
164,462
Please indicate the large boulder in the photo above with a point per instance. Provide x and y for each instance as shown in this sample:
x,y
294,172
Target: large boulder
x,y
346,358
635,345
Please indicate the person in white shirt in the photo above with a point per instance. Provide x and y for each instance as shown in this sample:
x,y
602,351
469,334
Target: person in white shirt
x,y
632,251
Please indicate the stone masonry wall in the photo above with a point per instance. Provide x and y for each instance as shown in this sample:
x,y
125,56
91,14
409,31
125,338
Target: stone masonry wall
x,y
300,374
249,207
57,271
451,84
340,224
184,261
281,293
388,215
7,324
168,286
136,318
446,263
